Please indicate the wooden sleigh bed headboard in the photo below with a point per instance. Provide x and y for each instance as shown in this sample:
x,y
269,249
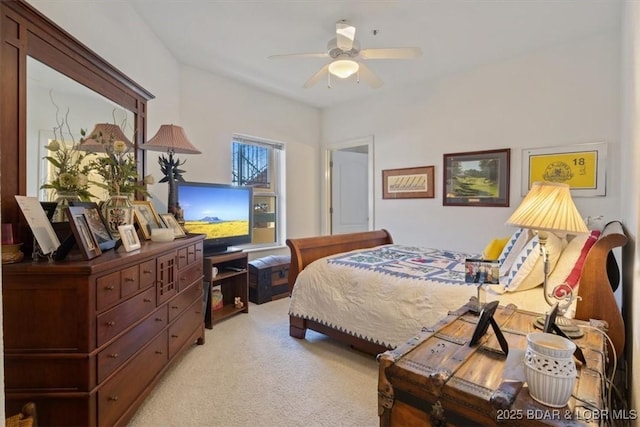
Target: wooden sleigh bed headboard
x,y
595,290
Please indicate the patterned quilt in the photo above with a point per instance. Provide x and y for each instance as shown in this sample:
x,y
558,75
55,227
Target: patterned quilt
x,y
388,293
409,262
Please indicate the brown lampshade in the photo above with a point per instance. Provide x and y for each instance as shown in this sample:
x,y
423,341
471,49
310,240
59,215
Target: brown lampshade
x,y
110,132
549,207
170,138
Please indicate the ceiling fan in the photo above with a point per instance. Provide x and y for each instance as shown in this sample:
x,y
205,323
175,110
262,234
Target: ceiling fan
x,y
348,59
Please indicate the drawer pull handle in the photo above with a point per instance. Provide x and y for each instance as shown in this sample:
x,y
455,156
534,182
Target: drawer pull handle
x,y
182,257
159,319
114,356
128,279
198,250
111,323
109,288
147,271
159,352
146,300
174,336
113,398
175,307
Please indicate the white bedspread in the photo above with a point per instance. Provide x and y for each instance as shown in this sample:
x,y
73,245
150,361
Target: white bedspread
x,y
390,305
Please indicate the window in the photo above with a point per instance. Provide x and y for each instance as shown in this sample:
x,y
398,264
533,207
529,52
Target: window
x,y
260,164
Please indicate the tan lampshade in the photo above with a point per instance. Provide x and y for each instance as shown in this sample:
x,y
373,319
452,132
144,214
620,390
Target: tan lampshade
x,y
170,138
109,132
548,207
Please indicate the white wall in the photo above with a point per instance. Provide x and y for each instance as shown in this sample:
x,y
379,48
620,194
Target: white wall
x,y
630,186
555,97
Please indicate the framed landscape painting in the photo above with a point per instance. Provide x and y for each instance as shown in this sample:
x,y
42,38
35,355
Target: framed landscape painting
x,y
477,178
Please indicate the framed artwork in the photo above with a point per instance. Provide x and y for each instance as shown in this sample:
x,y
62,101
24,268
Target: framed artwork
x,y
85,239
582,166
97,224
170,222
129,237
477,178
146,217
408,183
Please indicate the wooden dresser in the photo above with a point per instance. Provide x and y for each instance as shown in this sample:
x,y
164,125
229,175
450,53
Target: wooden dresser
x,y
87,340
437,379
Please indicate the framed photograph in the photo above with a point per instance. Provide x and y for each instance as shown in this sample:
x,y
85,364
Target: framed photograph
x,y
85,239
481,271
129,237
97,224
582,166
170,222
408,183
146,217
477,178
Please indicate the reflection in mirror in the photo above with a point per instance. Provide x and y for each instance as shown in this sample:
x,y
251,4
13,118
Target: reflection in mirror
x,y
54,99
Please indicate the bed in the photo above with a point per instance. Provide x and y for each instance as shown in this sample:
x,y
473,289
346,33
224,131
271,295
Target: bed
x,y
315,260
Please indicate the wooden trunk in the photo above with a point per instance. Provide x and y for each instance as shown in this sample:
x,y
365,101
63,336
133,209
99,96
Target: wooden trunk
x,y
438,379
269,278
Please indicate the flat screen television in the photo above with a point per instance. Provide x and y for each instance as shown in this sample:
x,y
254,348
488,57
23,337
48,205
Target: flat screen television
x,y
223,213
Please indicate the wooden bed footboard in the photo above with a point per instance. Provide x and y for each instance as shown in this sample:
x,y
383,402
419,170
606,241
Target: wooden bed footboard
x,y
597,297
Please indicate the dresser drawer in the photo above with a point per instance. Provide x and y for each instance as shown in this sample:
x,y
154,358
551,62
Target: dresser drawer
x,y
117,353
147,273
130,281
116,320
107,290
184,300
115,397
189,275
184,327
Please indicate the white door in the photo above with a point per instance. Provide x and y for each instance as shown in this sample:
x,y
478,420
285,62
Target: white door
x,y
349,190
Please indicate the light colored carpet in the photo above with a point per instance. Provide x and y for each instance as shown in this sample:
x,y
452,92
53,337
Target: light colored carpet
x,y
250,372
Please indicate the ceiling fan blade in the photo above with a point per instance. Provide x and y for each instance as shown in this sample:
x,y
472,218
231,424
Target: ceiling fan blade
x,y
317,76
391,53
365,73
345,34
301,55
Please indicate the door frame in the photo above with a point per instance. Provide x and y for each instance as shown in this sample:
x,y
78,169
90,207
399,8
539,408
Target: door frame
x,y
325,190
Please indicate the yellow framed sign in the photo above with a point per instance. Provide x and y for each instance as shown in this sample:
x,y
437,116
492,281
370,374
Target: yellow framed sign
x,y
581,166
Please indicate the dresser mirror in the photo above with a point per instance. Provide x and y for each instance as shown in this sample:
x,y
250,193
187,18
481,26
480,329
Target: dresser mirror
x,y
58,108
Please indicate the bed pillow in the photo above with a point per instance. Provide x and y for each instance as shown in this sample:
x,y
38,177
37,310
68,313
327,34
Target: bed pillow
x,y
515,244
569,266
527,270
494,248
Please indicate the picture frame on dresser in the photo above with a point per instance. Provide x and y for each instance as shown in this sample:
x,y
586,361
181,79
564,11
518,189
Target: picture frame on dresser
x,y
129,237
97,224
146,217
171,222
85,238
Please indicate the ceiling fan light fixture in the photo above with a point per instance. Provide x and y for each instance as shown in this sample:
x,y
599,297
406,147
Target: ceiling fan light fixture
x,y
343,68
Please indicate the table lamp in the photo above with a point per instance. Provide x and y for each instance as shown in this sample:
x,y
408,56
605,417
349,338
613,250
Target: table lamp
x,y
101,133
172,139
549,208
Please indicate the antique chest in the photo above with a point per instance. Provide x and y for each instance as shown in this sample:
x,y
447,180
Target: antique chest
x,y
268,278
436,378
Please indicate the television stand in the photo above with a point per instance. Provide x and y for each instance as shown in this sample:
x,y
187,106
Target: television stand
x,y
220,250
231,279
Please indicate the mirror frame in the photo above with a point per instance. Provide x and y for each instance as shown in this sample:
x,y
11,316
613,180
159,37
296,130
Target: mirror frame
x,y
26,32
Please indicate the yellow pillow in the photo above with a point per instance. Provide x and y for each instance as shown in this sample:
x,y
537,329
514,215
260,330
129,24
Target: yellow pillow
x,y
494,248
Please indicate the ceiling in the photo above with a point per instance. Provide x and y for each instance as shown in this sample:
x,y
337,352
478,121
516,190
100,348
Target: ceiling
x,y
234,38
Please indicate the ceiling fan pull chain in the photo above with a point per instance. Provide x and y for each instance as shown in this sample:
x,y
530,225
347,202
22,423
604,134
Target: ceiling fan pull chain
x,y
329,80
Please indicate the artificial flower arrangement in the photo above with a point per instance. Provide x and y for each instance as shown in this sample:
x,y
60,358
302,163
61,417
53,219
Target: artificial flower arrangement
x,y
118,167
71,165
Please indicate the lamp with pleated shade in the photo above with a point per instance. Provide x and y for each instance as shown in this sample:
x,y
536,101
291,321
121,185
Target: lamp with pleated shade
x,y
172,139
549,208
104,132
